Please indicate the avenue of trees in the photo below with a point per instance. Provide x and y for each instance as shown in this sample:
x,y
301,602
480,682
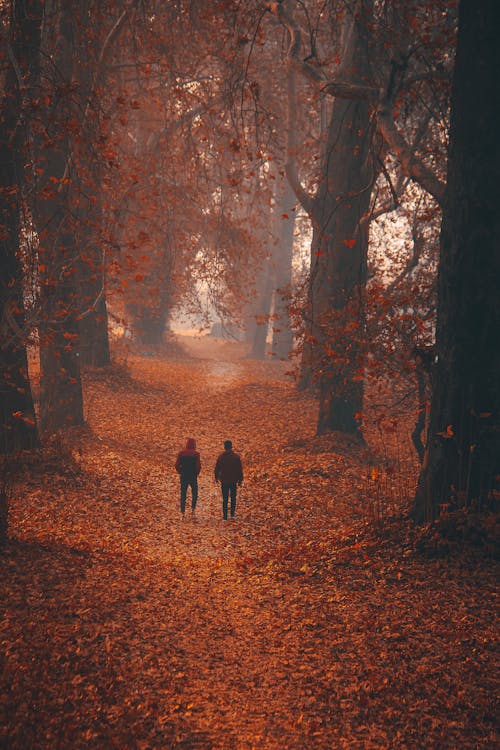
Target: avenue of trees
x,y
321,173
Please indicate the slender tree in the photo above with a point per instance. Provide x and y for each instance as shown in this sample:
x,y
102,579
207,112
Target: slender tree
x,y
282,344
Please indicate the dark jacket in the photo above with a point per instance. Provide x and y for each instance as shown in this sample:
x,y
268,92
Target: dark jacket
x,y
188,463
228,468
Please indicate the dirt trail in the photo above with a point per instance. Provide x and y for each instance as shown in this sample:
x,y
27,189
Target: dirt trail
x,y
233,683
131,628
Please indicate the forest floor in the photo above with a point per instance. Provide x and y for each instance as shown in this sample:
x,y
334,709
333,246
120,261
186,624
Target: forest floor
x,y
314,620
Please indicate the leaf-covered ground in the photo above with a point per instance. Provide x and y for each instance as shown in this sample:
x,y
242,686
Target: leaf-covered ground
x,y
294,627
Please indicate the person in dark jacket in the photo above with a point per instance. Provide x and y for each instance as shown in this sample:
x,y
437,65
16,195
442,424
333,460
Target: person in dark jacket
x,y
229,472
188,466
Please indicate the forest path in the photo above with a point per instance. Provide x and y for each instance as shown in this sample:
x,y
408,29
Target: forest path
x,y
235,678
290,628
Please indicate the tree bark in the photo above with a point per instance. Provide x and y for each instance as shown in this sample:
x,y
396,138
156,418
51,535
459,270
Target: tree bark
x,y
17,417
95,50
93,338
334,316
93,318
93,327
56,212
261,307
285,218
284,222
461,464
339,251
149,314
148,326
262,312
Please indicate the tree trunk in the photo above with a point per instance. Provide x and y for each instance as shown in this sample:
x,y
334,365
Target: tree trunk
x,y
148,326
61,399
285,216
93,328
57,211
265,283
93,325
17,417
93,312
461,464
149,314
263,311
93,319
339,252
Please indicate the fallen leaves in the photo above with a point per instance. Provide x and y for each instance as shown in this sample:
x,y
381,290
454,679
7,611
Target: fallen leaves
x,y
297,626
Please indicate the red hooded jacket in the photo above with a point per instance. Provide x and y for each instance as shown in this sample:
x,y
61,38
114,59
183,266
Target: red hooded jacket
x,y
188,463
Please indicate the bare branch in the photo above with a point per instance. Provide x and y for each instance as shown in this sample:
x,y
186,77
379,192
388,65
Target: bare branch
x,y
411,166
413,261
14,63
293,64
295,44
351,91
382,102
303,196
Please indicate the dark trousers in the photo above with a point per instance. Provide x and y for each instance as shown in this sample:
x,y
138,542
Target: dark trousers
x,y
228,489
185,483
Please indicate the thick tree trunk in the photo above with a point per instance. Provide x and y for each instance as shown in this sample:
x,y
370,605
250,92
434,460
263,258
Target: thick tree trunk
x,y
334,347
57,211
462,460
334,317
17,417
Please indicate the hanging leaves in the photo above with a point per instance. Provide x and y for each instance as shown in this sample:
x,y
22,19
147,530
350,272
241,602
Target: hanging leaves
x,y
349,243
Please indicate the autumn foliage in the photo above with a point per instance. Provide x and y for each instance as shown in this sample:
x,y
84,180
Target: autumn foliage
x,y
317,619
275,223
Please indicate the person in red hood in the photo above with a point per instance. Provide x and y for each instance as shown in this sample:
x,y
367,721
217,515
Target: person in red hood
x,y
229,472
188,466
